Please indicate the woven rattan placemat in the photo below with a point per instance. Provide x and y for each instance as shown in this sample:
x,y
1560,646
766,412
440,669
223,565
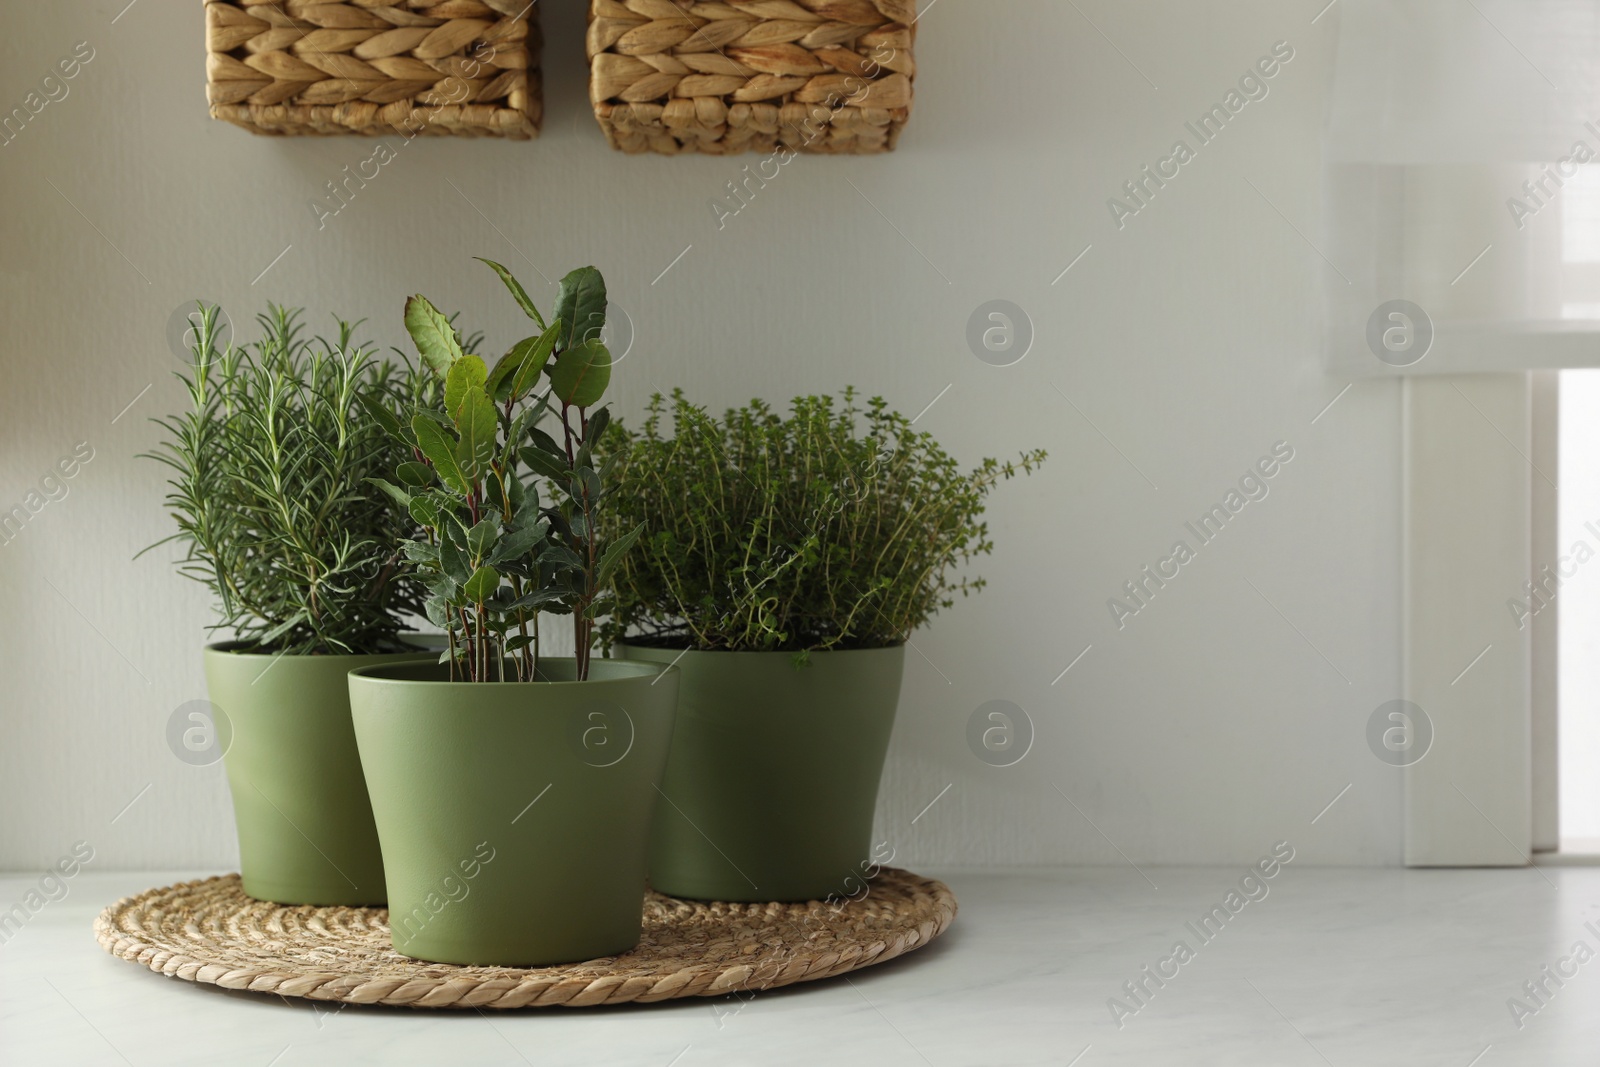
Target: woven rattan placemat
x,y
209,931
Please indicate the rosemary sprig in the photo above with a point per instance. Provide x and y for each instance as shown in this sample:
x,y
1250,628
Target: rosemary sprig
x,y
268,487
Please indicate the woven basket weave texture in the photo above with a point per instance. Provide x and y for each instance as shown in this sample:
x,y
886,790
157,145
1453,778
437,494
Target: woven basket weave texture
x,y
440,67
825,76
210,932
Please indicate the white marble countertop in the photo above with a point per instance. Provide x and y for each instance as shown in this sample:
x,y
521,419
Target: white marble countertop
x,y
1356,967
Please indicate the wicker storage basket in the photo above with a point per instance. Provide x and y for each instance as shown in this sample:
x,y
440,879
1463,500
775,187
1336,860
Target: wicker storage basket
x,y
830,76
463,67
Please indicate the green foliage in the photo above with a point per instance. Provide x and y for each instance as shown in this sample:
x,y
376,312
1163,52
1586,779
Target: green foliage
x,y
492,556
269,471
838,527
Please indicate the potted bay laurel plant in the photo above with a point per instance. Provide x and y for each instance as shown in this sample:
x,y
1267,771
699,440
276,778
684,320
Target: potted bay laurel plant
x,y
786,563
513,791
268,485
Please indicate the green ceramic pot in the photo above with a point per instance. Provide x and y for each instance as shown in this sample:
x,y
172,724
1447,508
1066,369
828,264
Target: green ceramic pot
x,y
774,771
306,834
514,816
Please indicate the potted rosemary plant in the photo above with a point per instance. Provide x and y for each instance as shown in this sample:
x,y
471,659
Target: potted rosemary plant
x,y
788,561
268,471
513,791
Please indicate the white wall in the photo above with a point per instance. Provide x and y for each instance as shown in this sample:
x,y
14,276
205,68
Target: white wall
x,y
1224,717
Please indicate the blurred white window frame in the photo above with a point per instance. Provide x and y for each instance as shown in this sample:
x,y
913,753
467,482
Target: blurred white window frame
x,y
1460,137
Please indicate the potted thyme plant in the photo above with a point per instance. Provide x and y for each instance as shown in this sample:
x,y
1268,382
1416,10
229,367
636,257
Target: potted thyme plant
x,y
513,791
787,562
269,469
